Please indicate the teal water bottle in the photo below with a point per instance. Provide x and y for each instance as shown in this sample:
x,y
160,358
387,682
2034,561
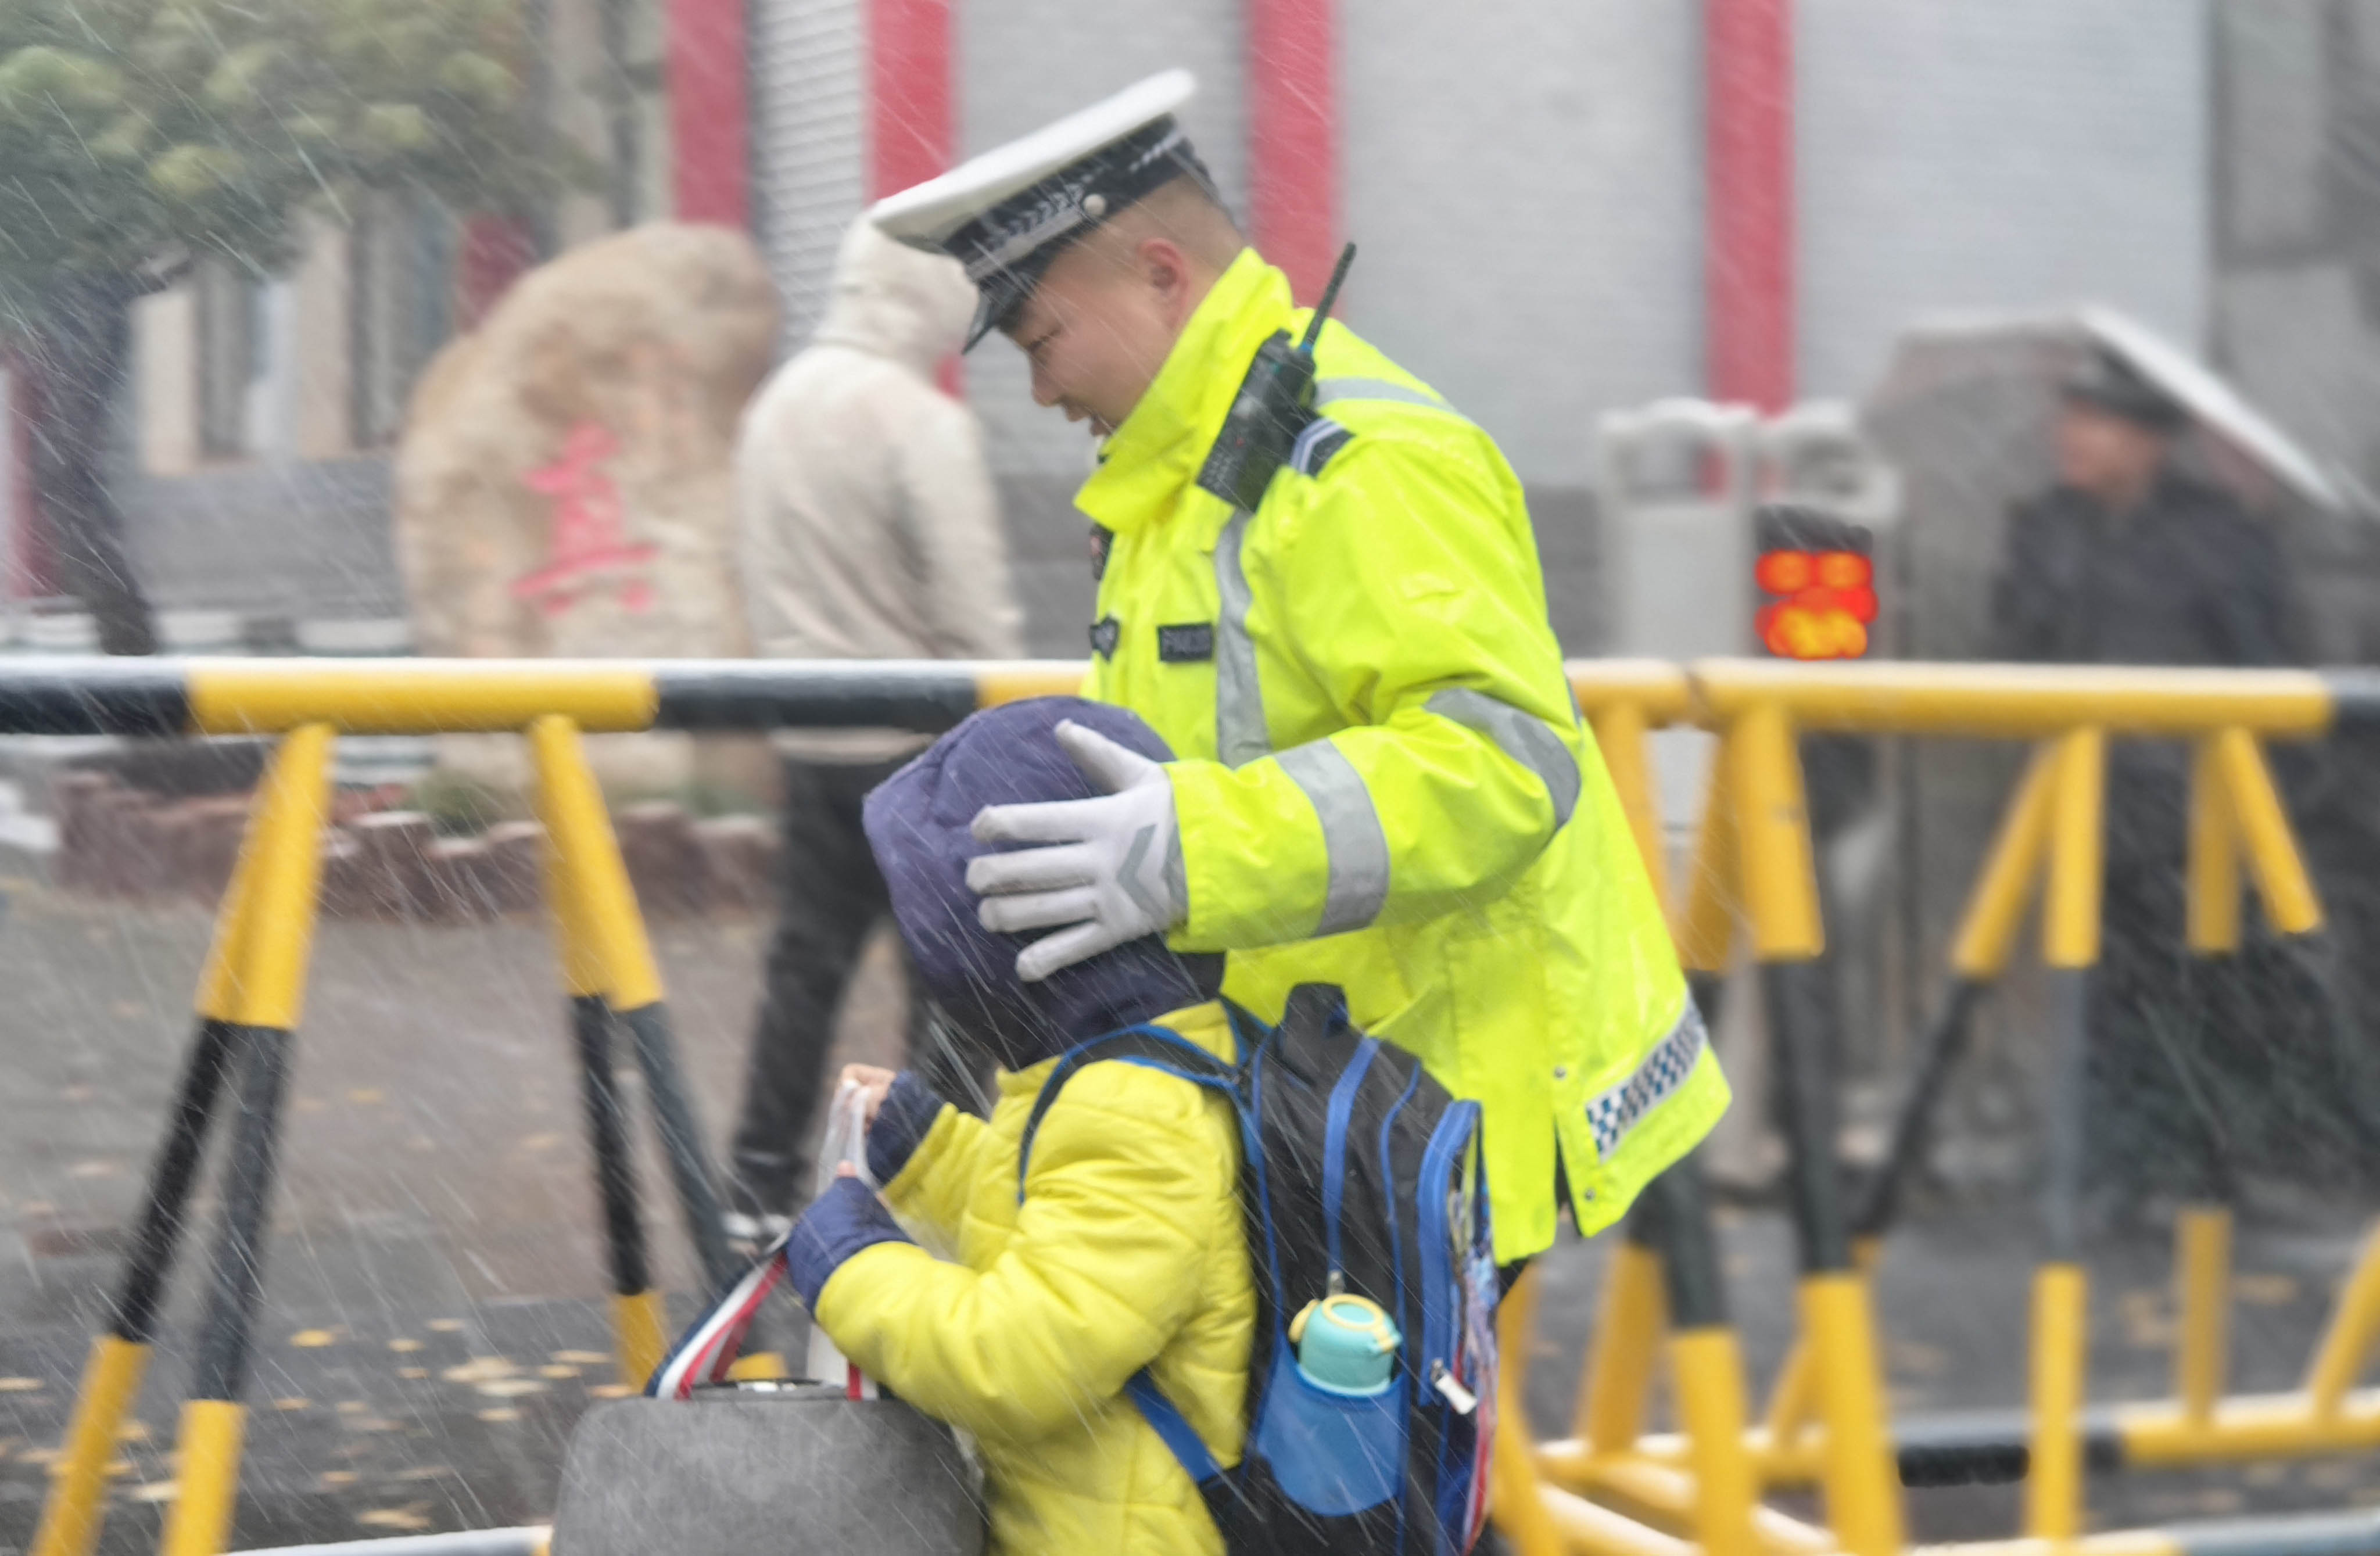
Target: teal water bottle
x,y
1345,1346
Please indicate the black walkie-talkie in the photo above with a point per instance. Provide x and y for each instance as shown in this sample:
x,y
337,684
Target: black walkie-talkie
x,y
1272,407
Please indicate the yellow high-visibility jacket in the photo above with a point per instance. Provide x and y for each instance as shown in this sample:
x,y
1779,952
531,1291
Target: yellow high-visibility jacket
x,y
1384,782
1127,1251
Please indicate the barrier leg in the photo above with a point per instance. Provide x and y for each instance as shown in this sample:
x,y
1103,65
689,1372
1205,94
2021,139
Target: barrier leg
x,y
640,1322
72,1515
2053,1486
1978,957
1779,886
1628,1325
1703,919
264,977
1516,1500
2060,1332
2346,1343
1620,734
2203,1298
1707,1363
639,1316
681,1134
1945,1045
2202,1232
585,871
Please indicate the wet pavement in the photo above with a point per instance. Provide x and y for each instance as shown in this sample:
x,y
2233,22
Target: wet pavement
x,y
434,1321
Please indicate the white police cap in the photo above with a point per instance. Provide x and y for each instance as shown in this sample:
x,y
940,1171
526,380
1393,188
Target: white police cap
x,y
1004,215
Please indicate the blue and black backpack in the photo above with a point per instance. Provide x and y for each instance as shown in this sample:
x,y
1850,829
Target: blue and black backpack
x,y
1359,1178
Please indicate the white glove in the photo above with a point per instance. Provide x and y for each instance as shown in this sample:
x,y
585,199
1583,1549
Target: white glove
x,y
1113,875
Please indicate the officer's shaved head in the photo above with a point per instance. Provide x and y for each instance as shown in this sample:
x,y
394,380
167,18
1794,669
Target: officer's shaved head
x,y
1100,321
1182,212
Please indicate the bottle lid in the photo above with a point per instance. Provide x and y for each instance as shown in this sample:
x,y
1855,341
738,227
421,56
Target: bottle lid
x,y
1346,1344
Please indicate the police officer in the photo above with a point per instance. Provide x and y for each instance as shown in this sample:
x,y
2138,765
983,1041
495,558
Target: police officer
x,y
1383,782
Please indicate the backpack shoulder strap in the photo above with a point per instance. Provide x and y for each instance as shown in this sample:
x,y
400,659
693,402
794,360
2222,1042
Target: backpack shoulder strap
x,y
1172,1428
1219,1488
1155,1047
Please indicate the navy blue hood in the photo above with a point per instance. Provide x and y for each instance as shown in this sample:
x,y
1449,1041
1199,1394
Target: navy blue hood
x,y
917,821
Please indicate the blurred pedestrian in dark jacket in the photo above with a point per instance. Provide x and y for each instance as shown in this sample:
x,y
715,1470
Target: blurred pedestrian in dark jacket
x,y
2127,561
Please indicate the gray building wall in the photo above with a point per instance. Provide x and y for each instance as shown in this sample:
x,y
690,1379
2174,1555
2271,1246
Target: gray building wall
x,y
1526,181
1995,153
2297,222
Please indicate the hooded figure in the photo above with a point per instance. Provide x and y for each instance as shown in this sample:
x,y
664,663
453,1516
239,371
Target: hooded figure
x,y
868,530
1123,1249
869,524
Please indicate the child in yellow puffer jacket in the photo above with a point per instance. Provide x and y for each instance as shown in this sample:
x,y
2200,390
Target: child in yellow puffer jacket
x,y
1120,1244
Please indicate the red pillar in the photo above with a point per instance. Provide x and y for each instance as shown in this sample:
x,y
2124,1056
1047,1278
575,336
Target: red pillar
x,y
909,113
1748,232
1292,84
911,119
709,131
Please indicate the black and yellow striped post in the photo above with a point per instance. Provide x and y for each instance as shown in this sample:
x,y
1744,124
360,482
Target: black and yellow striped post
x,y
2060,1330
2202,1270
248,1001
1706,1362
72,1517
1703,920
264,981
1778,876
1623,701
609,967
639,1319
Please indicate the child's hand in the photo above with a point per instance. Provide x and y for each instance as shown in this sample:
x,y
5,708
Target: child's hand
x,y
873,1083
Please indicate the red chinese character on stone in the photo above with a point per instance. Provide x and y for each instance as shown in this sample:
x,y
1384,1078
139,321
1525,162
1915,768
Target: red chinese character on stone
x,y
589,551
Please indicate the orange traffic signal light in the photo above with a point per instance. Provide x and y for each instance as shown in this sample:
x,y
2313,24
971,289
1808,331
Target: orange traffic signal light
x,y
1818,570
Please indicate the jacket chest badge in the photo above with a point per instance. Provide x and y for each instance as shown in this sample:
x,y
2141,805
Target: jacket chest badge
x,y
1104,634
1189,643
1102,538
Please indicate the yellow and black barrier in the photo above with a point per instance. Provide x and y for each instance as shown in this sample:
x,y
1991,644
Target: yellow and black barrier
x,y
1647,1496
2052,831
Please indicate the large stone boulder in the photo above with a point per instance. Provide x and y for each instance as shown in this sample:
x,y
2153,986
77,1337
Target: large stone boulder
x,y
564,484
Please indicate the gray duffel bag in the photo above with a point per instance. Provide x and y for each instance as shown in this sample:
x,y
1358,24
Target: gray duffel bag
x,y
765,1470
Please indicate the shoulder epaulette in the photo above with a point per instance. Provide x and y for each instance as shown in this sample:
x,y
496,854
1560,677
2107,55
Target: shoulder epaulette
x,y
1313,447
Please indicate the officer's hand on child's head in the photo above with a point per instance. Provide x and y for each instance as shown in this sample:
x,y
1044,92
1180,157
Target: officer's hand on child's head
x,y
873,1083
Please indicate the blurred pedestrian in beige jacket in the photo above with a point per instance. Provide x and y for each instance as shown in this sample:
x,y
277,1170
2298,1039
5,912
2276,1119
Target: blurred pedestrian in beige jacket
x,y
868,528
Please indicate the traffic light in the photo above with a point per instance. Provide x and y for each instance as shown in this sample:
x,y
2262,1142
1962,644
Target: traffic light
x,y
1819,571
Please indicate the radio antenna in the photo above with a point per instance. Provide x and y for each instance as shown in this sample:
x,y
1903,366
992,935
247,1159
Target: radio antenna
x,y
1329,297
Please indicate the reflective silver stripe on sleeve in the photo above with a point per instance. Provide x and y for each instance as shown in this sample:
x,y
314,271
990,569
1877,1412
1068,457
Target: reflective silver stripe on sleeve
x,y
1329,390
1352,835
1240,733
1610,1116
1524,738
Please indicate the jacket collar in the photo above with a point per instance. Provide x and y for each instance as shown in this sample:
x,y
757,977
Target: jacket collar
x,y
1207,1024
1147,463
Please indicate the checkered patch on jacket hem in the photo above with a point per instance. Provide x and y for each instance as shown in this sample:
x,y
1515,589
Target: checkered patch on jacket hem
x,y
1619,1110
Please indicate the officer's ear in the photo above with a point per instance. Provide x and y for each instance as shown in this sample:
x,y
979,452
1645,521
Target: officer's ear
x,y
1167,271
